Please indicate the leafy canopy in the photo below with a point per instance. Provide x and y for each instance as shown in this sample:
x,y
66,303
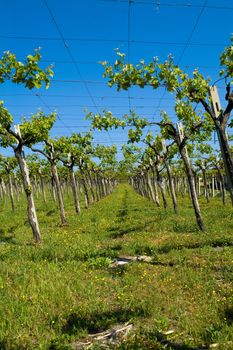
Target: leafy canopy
x,y
28,73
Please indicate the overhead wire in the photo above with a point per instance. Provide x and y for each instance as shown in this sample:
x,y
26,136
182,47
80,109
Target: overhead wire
x,y
71,57
191,35
186,44
69,105
128,44
69,52
192,31
174,4
81,96
50,109
131,41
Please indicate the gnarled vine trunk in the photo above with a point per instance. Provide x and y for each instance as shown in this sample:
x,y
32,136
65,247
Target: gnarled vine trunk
x,y
227,158
10,186
75,191
84,183
192,188
161,187
171,186
59,193
32,216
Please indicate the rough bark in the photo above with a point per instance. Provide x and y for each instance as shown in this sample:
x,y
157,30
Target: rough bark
x,y
171,186
10,186
97,190
75,191
52,188
207,195
213,186
104,187
16,188
91,186
161,187
151,189
100,186
154,185
227,158
42,187
32,216
84,183
222,184
192,189
59,193
220,122
3,186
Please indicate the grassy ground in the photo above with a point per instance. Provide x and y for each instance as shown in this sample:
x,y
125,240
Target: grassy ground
x,y
53,294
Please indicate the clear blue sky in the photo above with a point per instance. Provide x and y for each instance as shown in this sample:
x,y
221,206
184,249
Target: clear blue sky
x,y
193,34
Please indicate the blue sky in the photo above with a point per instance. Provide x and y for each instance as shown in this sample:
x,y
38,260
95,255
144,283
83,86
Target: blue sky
x,y
92,30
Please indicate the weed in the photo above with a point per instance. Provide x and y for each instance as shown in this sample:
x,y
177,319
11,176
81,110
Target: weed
x,y
99,263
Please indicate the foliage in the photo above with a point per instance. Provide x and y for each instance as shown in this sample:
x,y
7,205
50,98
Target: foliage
x,y
226,59
8,163
107,156
105,121
31,76
29,73
37,128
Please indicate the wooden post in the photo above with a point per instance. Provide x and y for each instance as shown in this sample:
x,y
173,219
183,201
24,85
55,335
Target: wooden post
x,y
199,186
213,186
215,100
17,129
181,135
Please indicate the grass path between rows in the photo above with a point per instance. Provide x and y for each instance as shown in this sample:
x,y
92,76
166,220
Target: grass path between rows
x,y
56,293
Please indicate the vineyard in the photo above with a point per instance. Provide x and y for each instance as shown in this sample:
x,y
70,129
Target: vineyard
x,y
126,244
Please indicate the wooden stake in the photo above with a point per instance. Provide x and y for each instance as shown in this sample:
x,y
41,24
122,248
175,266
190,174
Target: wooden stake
x,y
215,100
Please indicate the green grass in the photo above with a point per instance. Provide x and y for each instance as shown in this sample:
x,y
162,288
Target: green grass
x,y
55,293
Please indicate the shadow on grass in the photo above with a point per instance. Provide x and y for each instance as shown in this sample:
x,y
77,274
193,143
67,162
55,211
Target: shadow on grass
x,y
11,229
218,243
175,345
122,213
4,345
100,321
118,231
221,269
107,252
184,228
7,239
155,341
228,315
50,254
51,212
